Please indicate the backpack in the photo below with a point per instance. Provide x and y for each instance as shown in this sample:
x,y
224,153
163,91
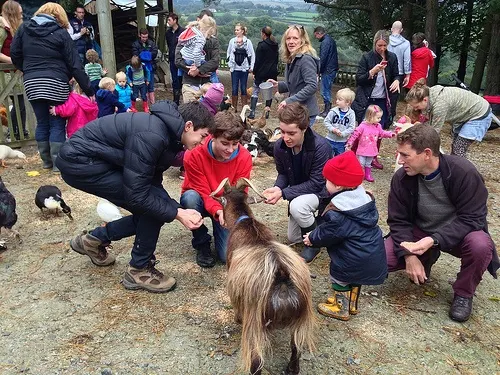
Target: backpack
x,y
240,54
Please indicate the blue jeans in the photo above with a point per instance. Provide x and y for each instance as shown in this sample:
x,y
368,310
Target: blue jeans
x,y
474,130
201,238
146,228
213,75
139,90
326,86
176,79
48,128
239,78
151,85
312,120
337,147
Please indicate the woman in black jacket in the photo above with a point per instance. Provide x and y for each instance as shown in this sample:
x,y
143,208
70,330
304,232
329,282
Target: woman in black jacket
x,y
44,51
266,66
378,82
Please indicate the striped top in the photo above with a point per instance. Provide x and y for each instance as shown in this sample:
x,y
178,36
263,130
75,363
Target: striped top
x,y
193,42
47,88
139,78
94,71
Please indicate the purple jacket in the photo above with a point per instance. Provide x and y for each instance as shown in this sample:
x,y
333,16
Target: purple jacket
x,y
317,151
465,189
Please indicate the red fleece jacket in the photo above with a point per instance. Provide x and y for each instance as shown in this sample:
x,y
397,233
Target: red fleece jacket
x,y
204,173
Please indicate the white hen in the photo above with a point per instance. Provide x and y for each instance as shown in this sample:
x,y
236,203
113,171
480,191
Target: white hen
x,y
7,153
107,211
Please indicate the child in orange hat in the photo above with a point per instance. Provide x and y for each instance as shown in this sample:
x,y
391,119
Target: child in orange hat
x,y
351,234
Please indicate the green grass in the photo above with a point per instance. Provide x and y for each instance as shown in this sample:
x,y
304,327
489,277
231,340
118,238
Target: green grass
x,y
306,15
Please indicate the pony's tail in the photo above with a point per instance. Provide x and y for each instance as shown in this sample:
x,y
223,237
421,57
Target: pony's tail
x,y
265,284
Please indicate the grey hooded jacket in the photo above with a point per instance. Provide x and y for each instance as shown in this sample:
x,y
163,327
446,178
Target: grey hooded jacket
x,y
401,47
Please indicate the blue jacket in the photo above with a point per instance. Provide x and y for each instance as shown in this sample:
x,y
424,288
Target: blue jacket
x,y
84,43
328,57
354,242
124,95
140,145
316,152
106,102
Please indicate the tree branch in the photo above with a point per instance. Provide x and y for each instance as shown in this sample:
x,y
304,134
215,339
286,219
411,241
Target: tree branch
x,y
329,4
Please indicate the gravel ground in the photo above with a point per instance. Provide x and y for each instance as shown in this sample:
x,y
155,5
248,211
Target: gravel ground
x,y
62,315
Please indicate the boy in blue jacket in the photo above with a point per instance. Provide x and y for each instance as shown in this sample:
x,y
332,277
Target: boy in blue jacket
x,y
351,234
107,101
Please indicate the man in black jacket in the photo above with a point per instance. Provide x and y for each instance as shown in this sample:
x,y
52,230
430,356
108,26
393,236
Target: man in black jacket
x,y
329,65
122,158
438,203
147,50
172,37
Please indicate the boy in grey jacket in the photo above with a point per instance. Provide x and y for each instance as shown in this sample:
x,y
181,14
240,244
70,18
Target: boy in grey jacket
x,y
341,121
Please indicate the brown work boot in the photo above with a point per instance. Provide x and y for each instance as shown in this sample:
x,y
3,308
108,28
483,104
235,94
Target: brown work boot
x,y
94,248
148,278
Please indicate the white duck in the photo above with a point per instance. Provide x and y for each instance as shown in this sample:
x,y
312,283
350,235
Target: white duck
x,y
107,211
7,153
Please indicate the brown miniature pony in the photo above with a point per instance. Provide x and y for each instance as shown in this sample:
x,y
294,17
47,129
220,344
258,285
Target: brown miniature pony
x,y
269,285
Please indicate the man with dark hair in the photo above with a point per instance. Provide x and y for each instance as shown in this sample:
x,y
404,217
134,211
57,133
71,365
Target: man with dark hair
x,y
219,157
172,37
122,158
329,65
147,50
300,156
194,77
438,203
81,32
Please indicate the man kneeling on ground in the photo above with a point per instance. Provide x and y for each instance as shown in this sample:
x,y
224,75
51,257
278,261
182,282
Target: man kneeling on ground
x,y
219,157
122,158
438,203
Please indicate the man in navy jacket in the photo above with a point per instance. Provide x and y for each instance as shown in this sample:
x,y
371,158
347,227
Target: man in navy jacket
x,y
122,158
329,65
300,156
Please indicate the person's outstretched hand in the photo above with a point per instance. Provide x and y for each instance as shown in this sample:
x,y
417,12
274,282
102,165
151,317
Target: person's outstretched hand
x,y
273,195
190,218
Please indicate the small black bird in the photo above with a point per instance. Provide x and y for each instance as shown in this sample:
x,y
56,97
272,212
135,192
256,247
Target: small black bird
x,y
8,215
50,197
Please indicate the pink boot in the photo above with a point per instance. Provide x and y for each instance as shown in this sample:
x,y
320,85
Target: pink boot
x,y
368,174
376,164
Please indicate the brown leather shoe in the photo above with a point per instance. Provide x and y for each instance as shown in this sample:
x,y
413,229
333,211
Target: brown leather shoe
x,y
86,244
148,278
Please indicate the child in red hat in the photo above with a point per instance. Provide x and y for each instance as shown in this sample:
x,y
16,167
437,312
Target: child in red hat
x,y
351,234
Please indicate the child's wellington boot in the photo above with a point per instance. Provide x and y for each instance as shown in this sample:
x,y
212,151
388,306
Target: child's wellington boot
x,y
145,106
337,310
133,108
368,174
353,299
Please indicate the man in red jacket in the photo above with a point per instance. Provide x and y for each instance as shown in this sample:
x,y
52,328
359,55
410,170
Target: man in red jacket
x,y
437,203
206,166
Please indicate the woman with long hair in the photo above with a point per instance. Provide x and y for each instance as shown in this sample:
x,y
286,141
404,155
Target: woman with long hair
x,y
378,83
10,20
266,66
422,59
241,59
301,72
46,80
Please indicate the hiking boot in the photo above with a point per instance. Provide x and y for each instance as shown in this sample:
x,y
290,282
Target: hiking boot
x,y
94,248
204,257
328,106
339,309
148,278
461,308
